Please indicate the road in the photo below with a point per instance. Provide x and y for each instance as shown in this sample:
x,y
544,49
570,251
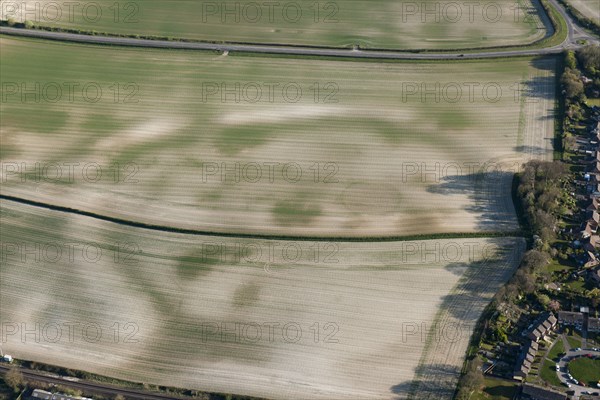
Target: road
x,y
562,374
574,33
103,388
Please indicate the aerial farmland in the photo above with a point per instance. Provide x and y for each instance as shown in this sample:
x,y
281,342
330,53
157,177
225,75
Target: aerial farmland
x,y
589,8
242,200
182,147
346,319
384,24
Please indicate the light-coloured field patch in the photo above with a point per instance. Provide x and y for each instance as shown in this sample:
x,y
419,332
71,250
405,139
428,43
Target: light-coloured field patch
x,y
277,319
589,8
331,148
378,24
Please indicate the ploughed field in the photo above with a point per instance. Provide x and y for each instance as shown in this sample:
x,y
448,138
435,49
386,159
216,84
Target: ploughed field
x,y
271,146
374,24
588,8
276,319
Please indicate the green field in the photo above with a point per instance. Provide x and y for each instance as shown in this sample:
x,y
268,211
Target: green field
x,y
336,320
349,149
585,370
377,24
557,349
496,389
548,373
574,341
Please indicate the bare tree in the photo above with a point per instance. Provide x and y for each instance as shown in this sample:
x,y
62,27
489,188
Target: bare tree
x,y
14,379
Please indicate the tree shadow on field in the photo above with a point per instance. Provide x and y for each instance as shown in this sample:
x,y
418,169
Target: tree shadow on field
x,y
489,194
533,150
544,64
432,382
478,283
537,88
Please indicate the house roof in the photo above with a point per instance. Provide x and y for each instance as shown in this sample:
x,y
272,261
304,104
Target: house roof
x,y
589,228
536,334
44,395
570,317
534,345
41,394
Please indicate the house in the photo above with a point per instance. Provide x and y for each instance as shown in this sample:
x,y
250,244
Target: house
x,y
531,392
525,361
569,318
549,323
521,373
536,335
588,229
591,259
544,327
593,324
38,394
593,206
41,394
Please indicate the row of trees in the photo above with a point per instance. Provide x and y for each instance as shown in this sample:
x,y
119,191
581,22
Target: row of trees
x,y
571,80
471,380
543,197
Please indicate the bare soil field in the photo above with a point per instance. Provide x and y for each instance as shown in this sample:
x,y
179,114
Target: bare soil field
x,y
589,8
370,24
271,146
277,319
